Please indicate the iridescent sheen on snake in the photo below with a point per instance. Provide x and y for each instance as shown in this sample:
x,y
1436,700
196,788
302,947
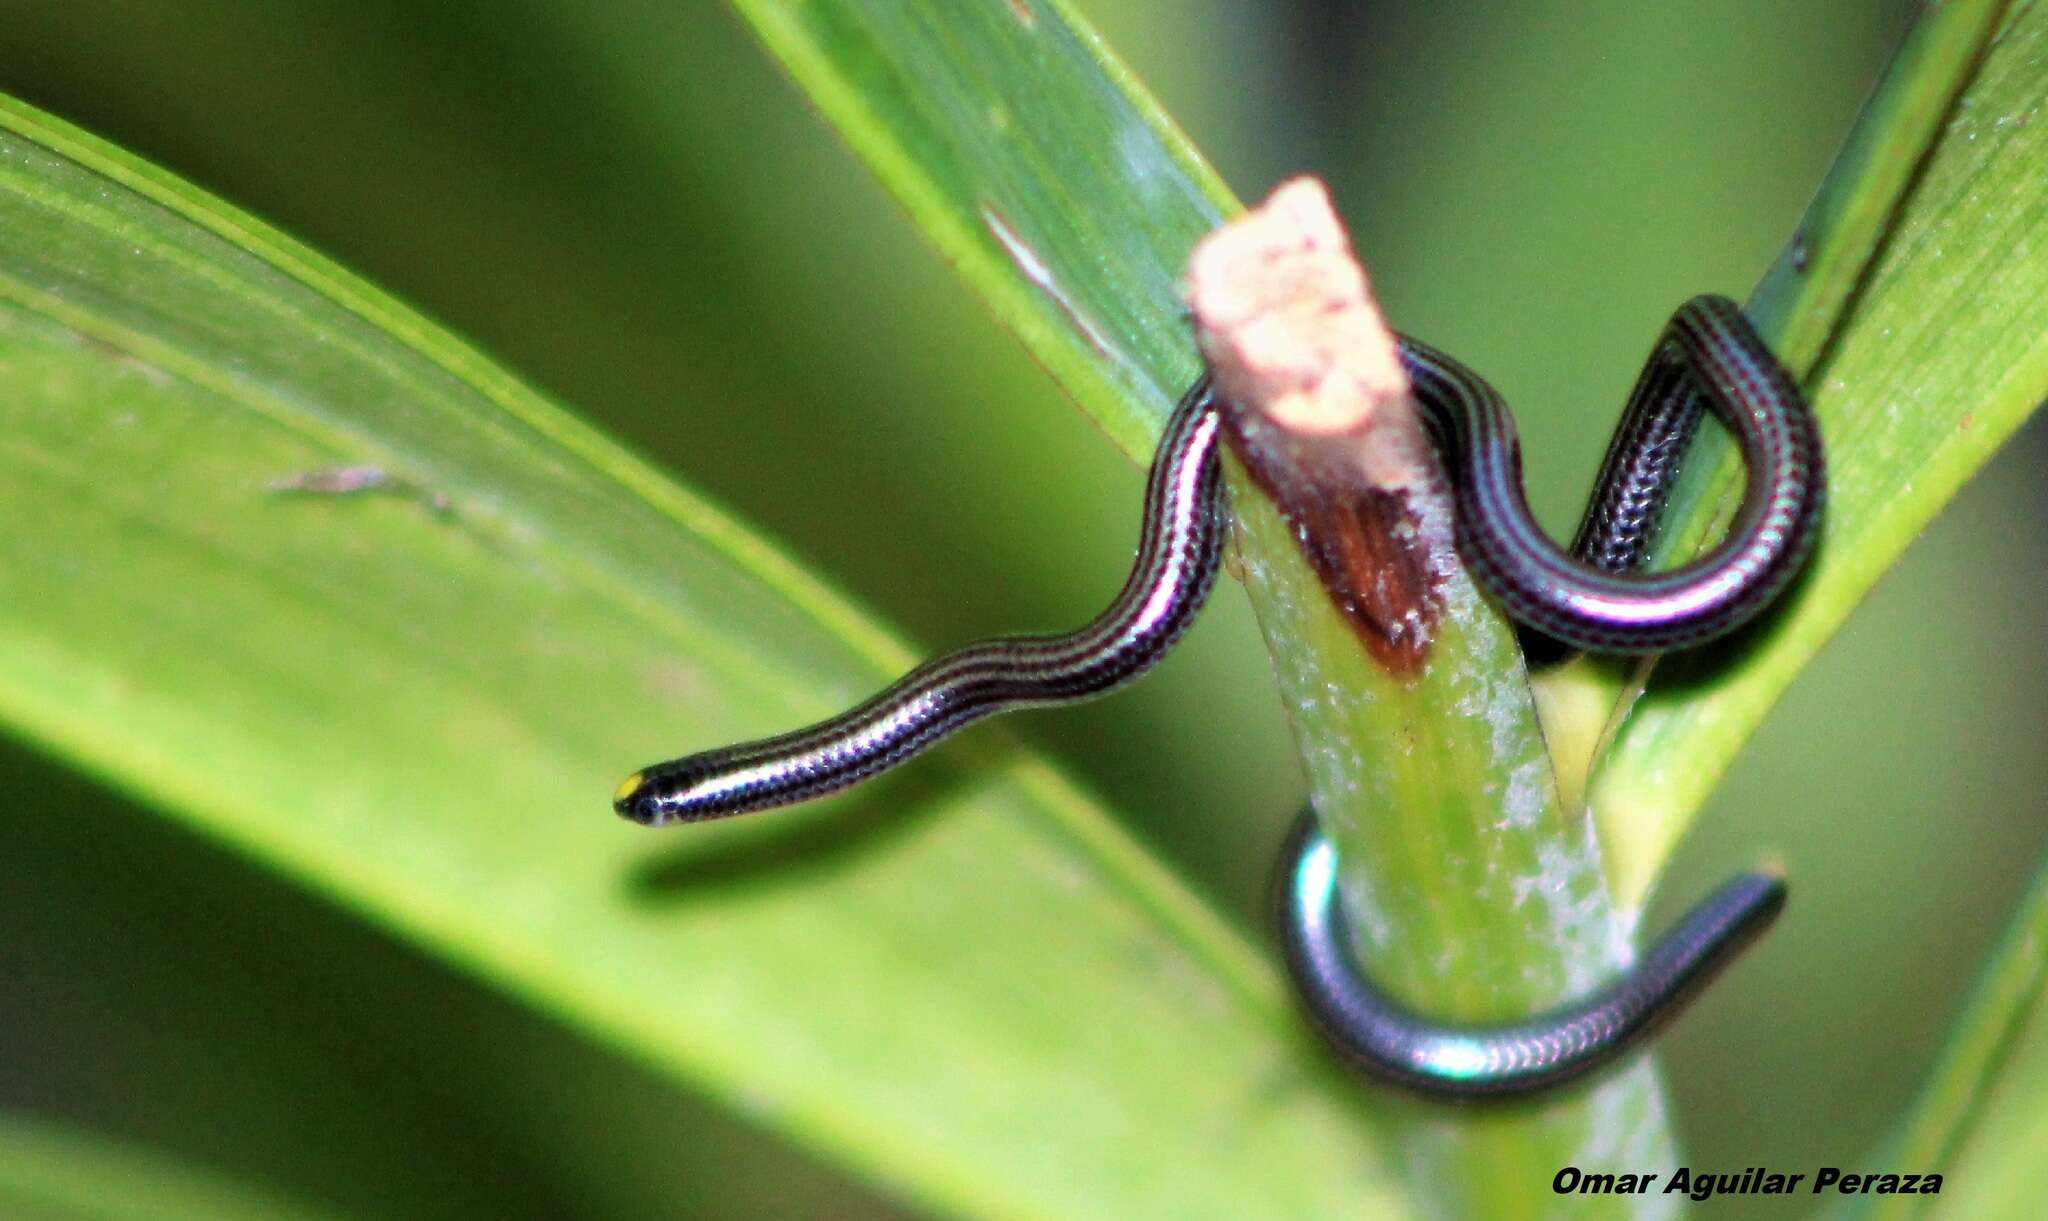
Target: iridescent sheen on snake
x,y
1591,596
1448,1060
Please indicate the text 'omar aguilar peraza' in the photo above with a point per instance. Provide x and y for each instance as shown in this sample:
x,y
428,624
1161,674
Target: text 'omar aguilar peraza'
x,y
1755,1181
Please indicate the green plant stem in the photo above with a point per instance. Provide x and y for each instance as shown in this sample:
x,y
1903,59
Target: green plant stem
x,y
1472,895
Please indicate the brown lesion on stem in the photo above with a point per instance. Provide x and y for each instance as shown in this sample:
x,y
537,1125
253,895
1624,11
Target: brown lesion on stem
x,y
1319,411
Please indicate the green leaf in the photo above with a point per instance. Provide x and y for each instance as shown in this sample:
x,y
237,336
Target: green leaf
x,y
1991,1159
1037,165
300,569
1982,1113
52,1173
1924,369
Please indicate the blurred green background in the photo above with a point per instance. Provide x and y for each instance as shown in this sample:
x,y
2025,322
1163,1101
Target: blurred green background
x,y
624,201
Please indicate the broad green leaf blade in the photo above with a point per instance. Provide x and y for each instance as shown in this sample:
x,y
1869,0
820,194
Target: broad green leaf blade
x,y
1037,165
52,1173
1940,356
299,568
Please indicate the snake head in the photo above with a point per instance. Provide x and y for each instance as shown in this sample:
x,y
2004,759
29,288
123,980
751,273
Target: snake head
x,y
690,789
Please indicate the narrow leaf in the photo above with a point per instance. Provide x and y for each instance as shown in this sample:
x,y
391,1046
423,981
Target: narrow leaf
x,y
1037,165
1937,358
1986,1102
